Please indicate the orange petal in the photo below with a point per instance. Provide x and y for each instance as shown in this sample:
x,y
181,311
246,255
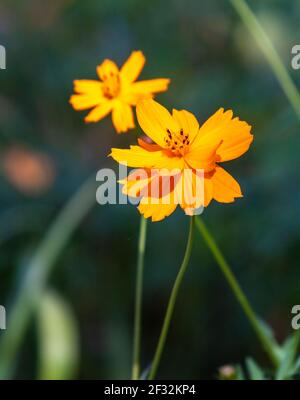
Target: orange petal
x,y
107,68
99,112
202,157
122,117
190,190
137,157
148,146
225,188
157,212
84,102
132,68
188,122
208,191
137,182
155,119
86,86
234,134
148,87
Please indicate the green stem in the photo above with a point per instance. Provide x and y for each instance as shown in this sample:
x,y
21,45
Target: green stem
x,y
138,300
38,271
268,49
172,301
237,291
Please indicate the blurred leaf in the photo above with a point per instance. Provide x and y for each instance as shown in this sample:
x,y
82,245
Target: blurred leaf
x,y
289,351
296,368
145,373
270,335
240,376
255,372
58,339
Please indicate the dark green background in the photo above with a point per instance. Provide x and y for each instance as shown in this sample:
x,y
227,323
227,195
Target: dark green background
x,y
212,62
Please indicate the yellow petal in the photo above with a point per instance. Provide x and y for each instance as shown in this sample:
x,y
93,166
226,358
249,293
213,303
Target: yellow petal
x,y
148,87
157,212
137,157
148,146
84,101
99,112
202,157
190,190
122,117
155,119
132,68
86,86
234,134
137,182
225,187
188,122
208,190
106,69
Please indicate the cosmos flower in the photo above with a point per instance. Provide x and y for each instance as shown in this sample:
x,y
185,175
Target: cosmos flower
x,y
181,145
116,91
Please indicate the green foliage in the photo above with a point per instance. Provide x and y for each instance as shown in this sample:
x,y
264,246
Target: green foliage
x,y
58,356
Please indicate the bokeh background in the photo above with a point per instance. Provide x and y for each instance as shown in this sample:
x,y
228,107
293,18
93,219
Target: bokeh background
x,y
47,152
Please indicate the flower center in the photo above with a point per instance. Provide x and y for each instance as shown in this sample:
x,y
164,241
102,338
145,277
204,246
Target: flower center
x,y
111,85
176,142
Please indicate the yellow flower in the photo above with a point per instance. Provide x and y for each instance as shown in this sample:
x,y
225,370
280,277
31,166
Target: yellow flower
x,y
181,145
116,91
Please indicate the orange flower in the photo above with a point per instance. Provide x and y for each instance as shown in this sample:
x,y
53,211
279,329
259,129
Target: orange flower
x,y
182,145
116,92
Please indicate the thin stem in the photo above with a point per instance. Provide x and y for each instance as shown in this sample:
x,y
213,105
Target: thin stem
x,y
268,49
138,300
172,301
237,291
38,271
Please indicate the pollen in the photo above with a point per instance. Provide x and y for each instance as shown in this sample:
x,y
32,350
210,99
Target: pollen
x,y
177,142
111,85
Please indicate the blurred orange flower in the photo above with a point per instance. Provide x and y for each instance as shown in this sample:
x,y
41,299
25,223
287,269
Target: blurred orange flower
x,y
182,145
116,91
31,172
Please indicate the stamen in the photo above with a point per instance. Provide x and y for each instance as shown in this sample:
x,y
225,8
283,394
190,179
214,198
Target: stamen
x,y
177,142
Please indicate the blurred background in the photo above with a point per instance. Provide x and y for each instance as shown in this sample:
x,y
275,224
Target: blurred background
x,y
83,325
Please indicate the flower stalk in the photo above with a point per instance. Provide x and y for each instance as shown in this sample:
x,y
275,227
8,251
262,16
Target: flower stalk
x,y
172,301
136,368
237,291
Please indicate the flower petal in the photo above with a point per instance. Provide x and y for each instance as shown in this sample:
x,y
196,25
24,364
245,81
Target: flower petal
x,y
137,157
132,68
122,117
137,182
225,188
149,208
148,87
190,190
86,86
202,157
208,190
188,122
99,112
85,101
155,119
234,134
148,146
107,68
